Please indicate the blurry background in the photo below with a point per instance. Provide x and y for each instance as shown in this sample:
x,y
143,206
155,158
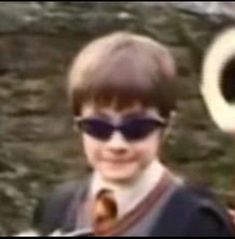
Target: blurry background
x,y
38,148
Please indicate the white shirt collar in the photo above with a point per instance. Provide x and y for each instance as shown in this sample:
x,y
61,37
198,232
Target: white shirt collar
x,y
129,196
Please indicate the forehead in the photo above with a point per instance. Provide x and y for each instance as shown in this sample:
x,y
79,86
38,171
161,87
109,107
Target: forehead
x,y
90,109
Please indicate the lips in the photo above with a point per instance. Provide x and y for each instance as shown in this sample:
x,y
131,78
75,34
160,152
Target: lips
x,y
118,160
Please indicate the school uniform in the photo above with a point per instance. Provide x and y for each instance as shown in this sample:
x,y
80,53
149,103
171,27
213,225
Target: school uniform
x,y
156,204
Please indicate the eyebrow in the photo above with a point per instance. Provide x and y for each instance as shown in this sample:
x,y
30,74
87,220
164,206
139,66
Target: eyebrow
x,y
107,117
141,114
102,115
125,116
133,114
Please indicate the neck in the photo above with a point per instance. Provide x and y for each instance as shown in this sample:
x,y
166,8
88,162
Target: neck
x,y
130,193
152,172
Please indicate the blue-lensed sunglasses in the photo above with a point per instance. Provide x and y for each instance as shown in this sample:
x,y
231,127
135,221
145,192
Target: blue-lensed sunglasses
x,y
132,129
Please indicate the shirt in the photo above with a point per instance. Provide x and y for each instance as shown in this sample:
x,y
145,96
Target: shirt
x,y
128,196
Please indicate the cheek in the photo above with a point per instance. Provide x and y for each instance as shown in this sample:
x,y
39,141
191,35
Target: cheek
x,y
92,149
148,148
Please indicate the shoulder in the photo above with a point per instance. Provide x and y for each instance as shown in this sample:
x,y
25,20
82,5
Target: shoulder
x,y
201,211
195,195
51,209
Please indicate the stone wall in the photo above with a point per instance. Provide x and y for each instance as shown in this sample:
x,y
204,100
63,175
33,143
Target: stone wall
x,y
38,148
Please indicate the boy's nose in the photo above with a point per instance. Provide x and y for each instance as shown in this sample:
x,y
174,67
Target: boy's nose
x,y
117,142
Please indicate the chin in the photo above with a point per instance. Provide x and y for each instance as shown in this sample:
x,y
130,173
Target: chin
x,y
120,177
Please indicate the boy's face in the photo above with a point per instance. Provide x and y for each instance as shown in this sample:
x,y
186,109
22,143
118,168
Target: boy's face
x,y
116,157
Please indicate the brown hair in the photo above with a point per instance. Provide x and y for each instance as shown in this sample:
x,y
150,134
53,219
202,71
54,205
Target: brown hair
x,y
123,68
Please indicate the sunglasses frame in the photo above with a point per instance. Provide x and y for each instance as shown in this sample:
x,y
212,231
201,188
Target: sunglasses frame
x,y
156,122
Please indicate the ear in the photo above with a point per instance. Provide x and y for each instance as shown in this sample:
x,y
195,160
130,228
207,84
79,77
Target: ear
x,y
164,135
165,132
75,128
75,125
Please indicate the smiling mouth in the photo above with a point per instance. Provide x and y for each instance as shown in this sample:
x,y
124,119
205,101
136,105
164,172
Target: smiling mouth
x,y
119,161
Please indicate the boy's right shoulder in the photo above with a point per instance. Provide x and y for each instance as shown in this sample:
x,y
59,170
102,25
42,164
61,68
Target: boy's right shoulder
x,y
68,189
52,207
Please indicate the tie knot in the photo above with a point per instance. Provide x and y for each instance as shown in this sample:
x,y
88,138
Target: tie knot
x,y
105,211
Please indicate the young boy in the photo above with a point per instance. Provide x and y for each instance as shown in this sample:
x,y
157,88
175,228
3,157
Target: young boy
x,y
122,89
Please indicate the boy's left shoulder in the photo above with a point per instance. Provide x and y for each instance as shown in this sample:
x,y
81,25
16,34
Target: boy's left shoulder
x,y
194,211
202,210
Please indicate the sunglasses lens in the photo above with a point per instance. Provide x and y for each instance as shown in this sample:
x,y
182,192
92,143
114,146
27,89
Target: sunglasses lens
x,y
139,128
96,128
134,129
